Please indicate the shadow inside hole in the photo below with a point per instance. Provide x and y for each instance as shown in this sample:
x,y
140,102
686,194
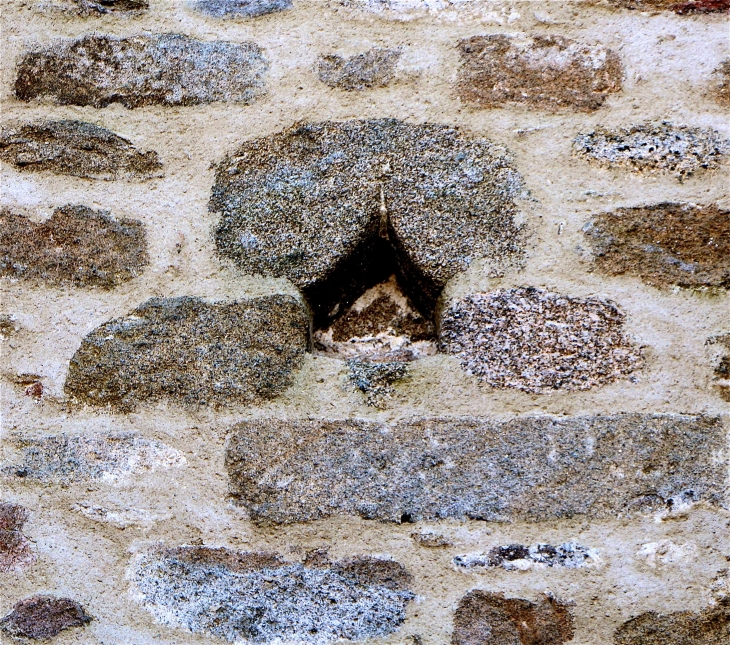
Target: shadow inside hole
x,y
372,309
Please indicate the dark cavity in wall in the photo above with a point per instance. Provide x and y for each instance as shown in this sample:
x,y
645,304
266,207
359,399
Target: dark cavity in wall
x,y
369,219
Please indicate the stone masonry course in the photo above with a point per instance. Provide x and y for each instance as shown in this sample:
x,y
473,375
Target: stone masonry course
x,y
530,468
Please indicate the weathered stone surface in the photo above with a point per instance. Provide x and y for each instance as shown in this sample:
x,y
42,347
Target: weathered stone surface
x,y
682,8
484,618
340,207
654,147
538,341
77,246
431,540
43,617
15,550
374,68
96,7
245,8
711,626
193,352
548,72
67,459
166,69
262,598
665,244
518,557
530,468
722,90
376,380
76,148
380,6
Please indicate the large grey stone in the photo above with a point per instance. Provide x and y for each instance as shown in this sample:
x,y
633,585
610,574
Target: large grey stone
x,y
166,69
529,468
339,207
264,599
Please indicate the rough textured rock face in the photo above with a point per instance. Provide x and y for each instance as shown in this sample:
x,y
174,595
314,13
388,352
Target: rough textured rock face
x,y
326,204
665,244
518,557
538,341
655,147
528,468
484,618
682,8
76,246
244,8
166,69
374,68
193,352
711,626
547,72
376,380
15,550
66,459
76,148
43,617
264,599
96,7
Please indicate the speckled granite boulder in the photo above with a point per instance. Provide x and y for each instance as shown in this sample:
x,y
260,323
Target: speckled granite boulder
x,y
166,69
261,597
339,207
76,246
191,351
75,148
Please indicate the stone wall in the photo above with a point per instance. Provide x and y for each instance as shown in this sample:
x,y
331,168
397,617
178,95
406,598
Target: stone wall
x,y
387,321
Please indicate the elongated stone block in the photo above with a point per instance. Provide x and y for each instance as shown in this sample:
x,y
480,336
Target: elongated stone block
x,y
164,69
529,468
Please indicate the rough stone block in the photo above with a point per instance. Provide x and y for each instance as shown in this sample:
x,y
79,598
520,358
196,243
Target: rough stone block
x,y
340,207
548,72
165,69
665,244
244,8
711,626
529,468
538,341
519,557
374,68
264,599
66,459
15,549
77,246
654,147
76,148
97,7
682,8
376,380
484,618
43,617
193,352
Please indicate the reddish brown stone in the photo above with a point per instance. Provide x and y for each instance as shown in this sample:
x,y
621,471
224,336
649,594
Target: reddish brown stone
x,y
76,246
484,618
15,550
548,72
664,244
43,617
711,626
